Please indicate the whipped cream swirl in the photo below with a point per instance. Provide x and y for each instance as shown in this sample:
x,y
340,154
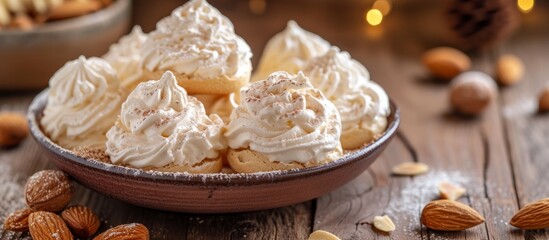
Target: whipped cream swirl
x,y
125,57
160,125
361,103
198,42
83,102
289,50
287,120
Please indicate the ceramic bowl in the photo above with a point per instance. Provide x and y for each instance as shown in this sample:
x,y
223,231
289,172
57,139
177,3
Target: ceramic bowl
x,y
29,58
209,193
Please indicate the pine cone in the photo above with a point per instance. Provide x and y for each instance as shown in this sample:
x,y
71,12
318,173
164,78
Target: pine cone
x,y
481,23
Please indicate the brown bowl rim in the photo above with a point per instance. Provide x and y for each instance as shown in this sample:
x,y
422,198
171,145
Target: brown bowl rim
x,y
93,18
213,179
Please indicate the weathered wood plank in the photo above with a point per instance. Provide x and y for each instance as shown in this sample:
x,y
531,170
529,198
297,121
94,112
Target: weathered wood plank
x,y
527,130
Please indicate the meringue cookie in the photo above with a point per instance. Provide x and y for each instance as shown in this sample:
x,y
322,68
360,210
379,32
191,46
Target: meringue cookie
x,y
83,102
125,57
289,50
200,46
285,120
160,127
362,104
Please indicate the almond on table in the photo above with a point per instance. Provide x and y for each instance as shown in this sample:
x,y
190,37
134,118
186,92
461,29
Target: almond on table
x,y
533,216
133,231
384,223
13,129
450,191
48,226
322,235
447,215
81,220
18,221
410,169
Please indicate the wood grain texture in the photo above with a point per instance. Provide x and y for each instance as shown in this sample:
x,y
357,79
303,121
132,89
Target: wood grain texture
x,y
527,130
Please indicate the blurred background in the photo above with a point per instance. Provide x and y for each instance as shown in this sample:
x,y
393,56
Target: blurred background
x,y
34,46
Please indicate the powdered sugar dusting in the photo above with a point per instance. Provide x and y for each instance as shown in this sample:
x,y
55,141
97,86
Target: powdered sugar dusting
x,y
11,195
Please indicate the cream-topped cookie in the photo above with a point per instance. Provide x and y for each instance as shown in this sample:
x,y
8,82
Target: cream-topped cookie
x,y
125,58
282,123
198,44
289,50
362,104
160,127
83,102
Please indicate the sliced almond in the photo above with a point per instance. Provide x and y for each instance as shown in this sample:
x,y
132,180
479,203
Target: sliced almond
x,y
322,235
447,215
384,223
450,191
410,169
533,216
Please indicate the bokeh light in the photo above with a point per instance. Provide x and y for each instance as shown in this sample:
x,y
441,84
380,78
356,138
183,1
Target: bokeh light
x,y
384,6
374,17
525,6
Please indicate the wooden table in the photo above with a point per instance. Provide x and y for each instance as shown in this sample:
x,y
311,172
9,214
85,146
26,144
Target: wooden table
x,y
500,157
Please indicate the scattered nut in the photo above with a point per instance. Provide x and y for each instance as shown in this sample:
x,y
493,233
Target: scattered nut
x,y
48,190
447,215
471,92
18,221
509,70
13,129
81,220
322,235
446,62
384,223
48,226
133,231
450,191
410,169
543,103
533,216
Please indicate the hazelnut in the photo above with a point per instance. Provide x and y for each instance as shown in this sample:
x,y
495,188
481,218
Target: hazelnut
x,y
543,103
471,92
509,70
445,62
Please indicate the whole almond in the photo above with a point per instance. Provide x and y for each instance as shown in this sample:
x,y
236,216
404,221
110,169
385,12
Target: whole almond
x,y
81,220
471,92
13,129
46,225
410,169
445,62
18,221
447,215
48,190
132,231
543,102
509,69
533,216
